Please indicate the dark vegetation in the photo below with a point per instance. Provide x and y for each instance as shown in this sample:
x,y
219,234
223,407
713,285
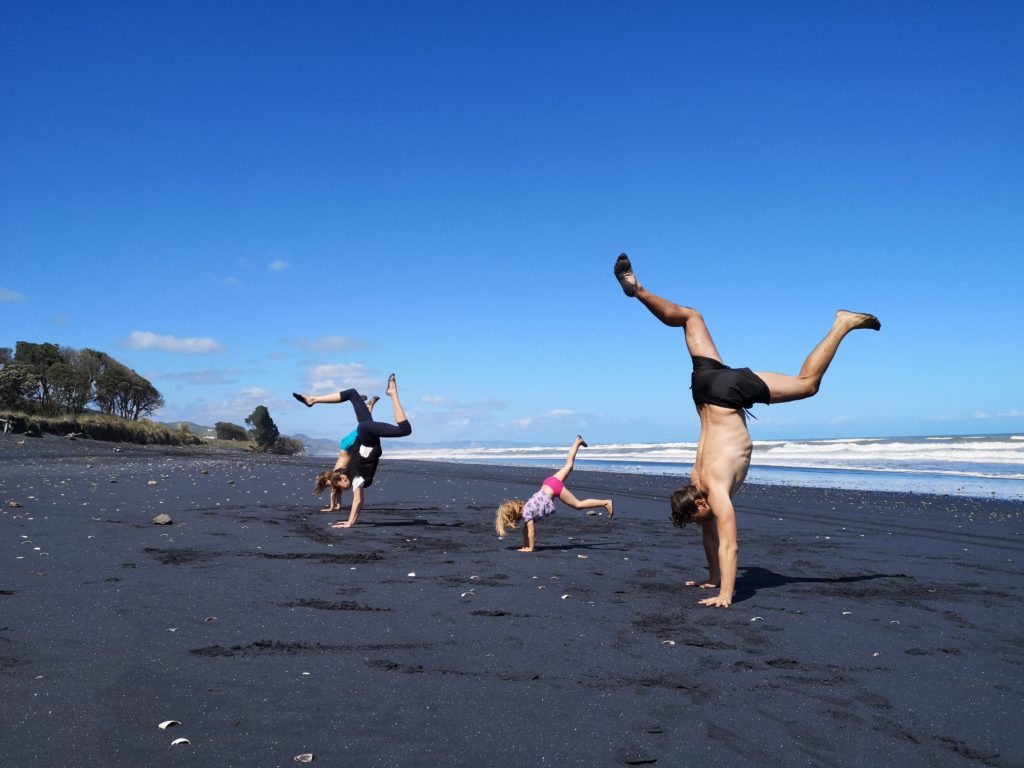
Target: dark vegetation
x,y
46,388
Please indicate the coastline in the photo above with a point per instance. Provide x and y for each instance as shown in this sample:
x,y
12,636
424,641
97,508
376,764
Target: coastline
x,y
868,626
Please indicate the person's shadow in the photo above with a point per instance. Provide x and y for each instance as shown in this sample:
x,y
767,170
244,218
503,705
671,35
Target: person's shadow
x,y
754,578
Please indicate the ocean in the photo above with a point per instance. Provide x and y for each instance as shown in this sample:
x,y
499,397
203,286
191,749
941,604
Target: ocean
x,y
989,466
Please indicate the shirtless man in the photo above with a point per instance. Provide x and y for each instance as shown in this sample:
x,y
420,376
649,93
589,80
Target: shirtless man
x,y
721,395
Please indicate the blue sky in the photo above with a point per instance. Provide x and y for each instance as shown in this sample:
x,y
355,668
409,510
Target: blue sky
x,y
240,200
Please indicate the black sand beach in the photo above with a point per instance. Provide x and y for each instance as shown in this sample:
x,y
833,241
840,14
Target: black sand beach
x,y
869,629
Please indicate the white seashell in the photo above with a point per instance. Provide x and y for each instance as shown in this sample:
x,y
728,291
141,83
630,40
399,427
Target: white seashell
x,y
13,504
582,557
668,642
566,597
151,482
758,618
412,575
168,724
847,613
305,757
180,743
876,654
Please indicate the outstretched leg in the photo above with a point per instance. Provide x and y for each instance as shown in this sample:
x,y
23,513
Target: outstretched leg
x,y
566,497
382,429
340,397
570,459
698,338
785,388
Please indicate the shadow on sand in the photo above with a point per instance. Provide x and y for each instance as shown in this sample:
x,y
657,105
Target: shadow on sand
x,y
754,578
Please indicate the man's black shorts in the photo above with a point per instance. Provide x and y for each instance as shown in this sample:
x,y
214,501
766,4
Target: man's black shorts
x,y
718,384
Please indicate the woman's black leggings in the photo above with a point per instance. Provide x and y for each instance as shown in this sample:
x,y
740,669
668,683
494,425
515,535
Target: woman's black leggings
x,y
369,428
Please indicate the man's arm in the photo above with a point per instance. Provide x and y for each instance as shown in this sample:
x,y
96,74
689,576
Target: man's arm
x,y
728,547
710,529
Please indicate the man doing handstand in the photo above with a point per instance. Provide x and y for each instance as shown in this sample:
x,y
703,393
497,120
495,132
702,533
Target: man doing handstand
x,y
721,395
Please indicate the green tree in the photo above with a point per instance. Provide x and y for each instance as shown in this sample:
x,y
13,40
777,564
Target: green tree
x,y
288,446
38,358
264,430
16,382
228,431
122,392
70,387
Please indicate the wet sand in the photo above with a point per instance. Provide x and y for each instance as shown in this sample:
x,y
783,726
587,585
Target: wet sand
x,y
869,628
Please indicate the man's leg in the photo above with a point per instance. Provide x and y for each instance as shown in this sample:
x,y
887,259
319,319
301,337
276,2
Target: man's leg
x,y
698,338
806,384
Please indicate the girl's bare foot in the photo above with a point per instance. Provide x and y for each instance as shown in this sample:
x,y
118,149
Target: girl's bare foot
x,y
302,399
858,320
582,442
392,389
608,506
372,401
624,274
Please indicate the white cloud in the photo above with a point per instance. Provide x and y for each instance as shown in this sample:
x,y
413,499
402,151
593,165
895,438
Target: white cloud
x,y
434,399
233,408
559,414
331,344
981,415
279,265
838,420
10,297
1014,413
191,346
208,376
336,377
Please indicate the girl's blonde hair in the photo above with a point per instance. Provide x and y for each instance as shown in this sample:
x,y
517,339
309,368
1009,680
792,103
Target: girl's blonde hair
x,y
509,514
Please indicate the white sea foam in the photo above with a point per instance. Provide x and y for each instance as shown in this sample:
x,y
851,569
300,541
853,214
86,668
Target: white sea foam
x,y
988,455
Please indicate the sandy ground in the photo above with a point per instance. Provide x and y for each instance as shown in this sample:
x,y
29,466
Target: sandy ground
x,y
869,629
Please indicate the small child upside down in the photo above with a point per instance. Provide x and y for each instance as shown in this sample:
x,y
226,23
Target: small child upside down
x,y
542,503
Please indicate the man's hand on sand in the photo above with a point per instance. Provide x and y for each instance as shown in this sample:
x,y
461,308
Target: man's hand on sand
x,y
719,601
701,584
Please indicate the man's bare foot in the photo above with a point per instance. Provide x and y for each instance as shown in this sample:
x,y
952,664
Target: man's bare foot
x,y
525,549
858,320
608,506
392,389
372,401
624,274
302,399
582,443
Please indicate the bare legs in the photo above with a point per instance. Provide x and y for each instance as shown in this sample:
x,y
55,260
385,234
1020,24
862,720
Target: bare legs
x,y
570,459
566,495
392,392
783,388
806,384
698,338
